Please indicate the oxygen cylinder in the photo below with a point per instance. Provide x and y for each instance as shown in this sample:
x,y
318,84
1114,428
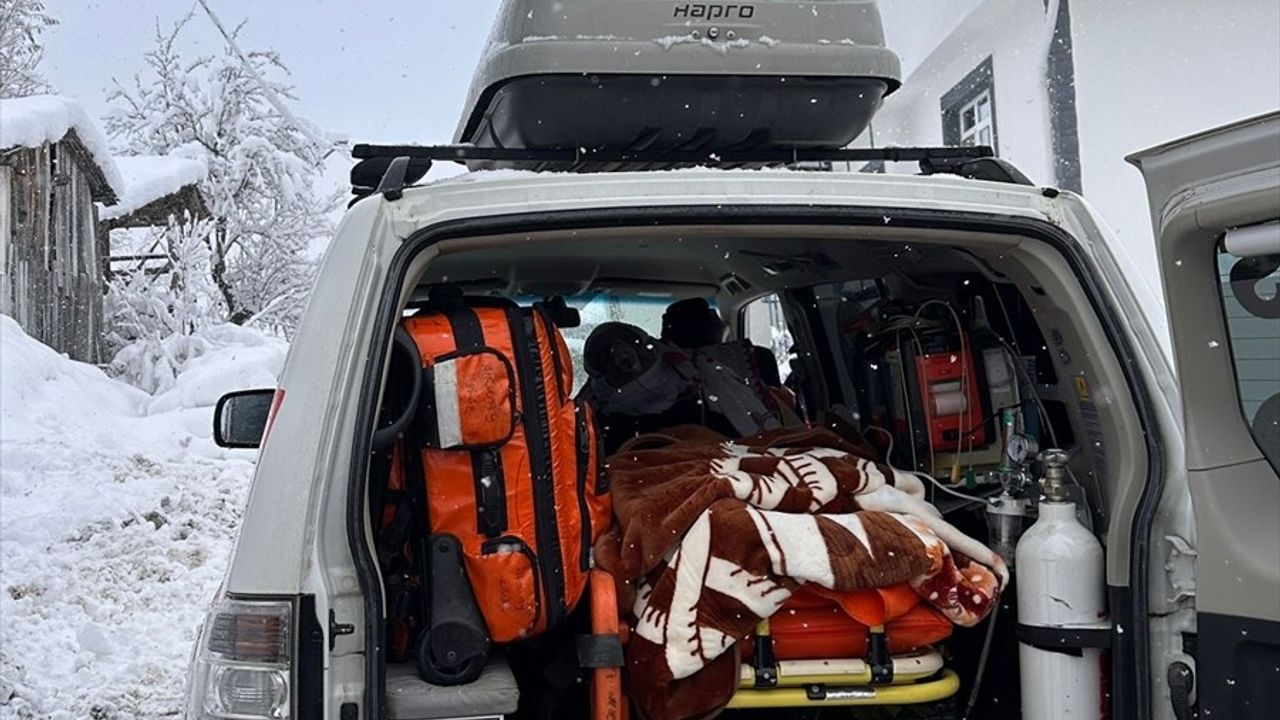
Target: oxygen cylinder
x,y
1060,587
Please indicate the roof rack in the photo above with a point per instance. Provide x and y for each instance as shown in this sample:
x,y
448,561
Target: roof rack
x,y
388,169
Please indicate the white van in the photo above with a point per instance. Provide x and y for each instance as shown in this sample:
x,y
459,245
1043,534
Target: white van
x,y
1181,469
1177,474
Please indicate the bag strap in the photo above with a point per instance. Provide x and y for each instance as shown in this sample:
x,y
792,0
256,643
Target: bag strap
x,y
648,441
486,463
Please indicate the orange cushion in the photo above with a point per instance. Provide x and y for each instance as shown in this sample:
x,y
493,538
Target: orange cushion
x,y
873,607
816,623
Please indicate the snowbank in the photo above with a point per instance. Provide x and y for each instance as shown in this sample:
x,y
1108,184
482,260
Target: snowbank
x,y
33,121
117,517
148,178
235,358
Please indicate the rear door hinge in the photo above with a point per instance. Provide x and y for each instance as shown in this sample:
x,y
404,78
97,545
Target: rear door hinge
x,y
336,628
1180,567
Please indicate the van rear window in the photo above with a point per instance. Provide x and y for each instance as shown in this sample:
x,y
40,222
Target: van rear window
x,y
1251,301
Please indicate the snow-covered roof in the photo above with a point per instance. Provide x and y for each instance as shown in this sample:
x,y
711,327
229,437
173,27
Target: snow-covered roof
x,y
33,121
148,178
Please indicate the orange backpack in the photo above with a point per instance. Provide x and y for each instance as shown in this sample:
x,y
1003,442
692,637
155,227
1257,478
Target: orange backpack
x,y
511,465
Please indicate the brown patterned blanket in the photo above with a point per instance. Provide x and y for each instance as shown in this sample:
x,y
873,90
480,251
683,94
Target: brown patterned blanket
x,y
714,535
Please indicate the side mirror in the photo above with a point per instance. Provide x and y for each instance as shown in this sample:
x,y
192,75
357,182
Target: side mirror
x,y
240,418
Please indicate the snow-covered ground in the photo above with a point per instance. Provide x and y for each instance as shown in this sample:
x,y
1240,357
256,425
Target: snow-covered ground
x,y
117,516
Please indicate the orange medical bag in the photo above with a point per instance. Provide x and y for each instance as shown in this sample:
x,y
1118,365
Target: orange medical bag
x,y
502,475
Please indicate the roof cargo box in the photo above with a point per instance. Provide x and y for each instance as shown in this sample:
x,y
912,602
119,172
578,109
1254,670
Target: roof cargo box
x,y
661,75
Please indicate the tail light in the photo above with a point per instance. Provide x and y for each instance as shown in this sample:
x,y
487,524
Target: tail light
x,y
242,668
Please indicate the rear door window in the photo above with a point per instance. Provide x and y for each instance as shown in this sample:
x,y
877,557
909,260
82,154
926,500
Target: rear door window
x,y
642,311
1251,301
765,325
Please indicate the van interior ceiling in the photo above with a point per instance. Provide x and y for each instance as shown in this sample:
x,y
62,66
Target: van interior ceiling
x,y
955,354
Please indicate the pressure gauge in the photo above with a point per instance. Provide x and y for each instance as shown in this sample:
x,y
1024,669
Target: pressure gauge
x,y
1020,447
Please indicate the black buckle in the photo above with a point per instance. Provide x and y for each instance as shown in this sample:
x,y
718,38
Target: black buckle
x,y
878,657
599,651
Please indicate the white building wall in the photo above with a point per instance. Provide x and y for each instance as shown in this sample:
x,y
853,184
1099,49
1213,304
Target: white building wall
x,y
913,28
1149,71
1011,32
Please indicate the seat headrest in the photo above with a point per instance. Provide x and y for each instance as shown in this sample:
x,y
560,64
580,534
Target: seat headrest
x,y
559,311
617,353
692,323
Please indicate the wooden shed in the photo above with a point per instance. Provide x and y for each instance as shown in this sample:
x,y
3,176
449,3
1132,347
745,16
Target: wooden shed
x,y
53,167
159,189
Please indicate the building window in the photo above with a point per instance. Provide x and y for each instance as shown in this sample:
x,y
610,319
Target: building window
x,y
976,123
969,110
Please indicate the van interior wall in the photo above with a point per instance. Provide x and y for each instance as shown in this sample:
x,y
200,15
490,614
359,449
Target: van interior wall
x,y
1085,389
1080,382
1006,292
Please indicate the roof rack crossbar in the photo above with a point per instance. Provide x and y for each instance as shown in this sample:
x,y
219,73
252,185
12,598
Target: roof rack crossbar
x,y
470,153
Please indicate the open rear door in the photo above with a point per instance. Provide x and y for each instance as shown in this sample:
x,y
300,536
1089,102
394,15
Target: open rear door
x,y
1215,203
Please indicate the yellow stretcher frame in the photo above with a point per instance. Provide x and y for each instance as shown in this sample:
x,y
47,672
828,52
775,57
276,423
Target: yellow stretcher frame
x,y
946,684
907,668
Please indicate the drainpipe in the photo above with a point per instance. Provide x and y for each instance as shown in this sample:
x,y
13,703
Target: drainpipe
x,y
1048,35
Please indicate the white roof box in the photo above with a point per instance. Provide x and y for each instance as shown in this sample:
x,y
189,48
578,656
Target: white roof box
x,y
664,75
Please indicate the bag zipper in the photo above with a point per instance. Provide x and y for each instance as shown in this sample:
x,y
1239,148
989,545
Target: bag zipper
x,y
490,547
534,412
554,347
602,466
584,461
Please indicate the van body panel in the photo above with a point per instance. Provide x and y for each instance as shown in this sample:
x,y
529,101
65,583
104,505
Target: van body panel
x,y
275,548
484,194
1200,189
299,502
375,228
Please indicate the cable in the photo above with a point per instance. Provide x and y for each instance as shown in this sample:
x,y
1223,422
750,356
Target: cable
x,y
888,454
994,415
926,476
966,358
1044,414
1008,321
982,661
924,398
944,487
906,399
1031,385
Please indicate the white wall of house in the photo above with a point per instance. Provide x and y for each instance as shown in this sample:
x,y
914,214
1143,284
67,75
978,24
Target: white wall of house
x,y
913,28
1148,72
1010,32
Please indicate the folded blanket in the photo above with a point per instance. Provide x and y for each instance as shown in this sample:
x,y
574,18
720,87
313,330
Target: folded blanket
x,y
712,536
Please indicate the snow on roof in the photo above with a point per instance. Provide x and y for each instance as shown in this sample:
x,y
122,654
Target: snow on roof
x,y
148,178
33,121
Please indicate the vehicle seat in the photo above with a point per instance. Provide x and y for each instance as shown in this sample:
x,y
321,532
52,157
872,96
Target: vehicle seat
x,y
692,323
493,695
635,390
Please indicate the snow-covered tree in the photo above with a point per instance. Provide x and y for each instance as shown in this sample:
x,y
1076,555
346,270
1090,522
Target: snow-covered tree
x,y
263,168
156,308
22,22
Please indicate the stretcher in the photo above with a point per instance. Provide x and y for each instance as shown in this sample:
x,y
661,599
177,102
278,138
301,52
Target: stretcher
x,y
880,678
